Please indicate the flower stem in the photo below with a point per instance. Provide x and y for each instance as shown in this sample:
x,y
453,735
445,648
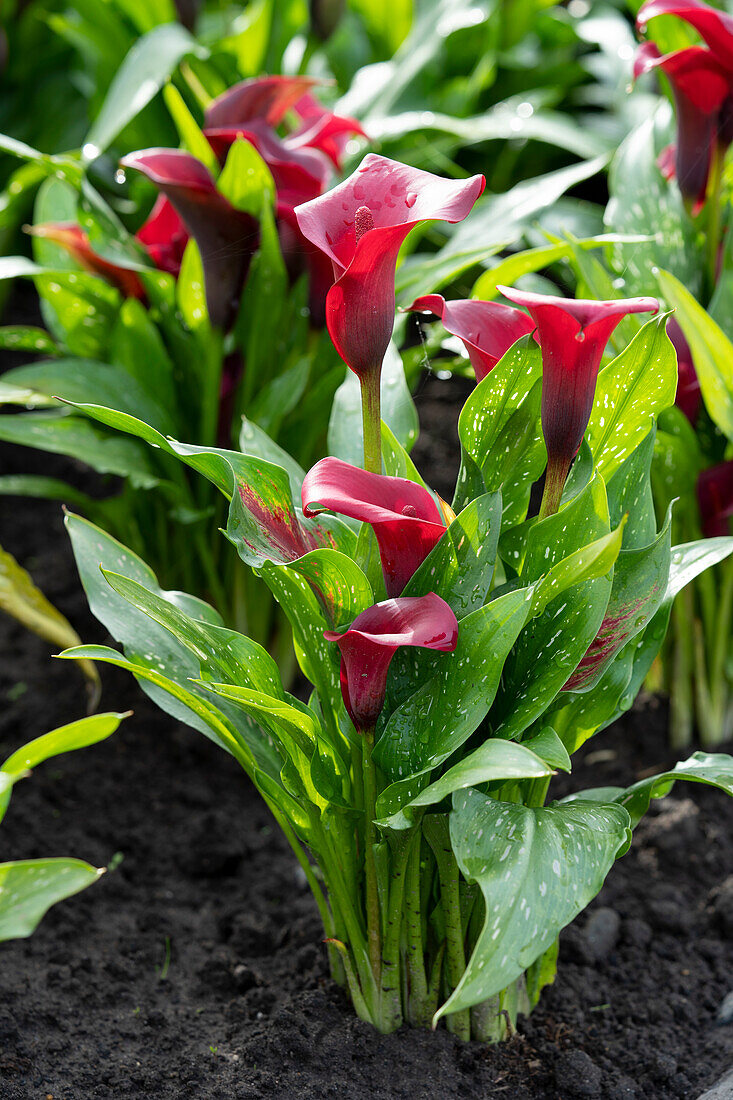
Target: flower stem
x,y
555,478
418,1005
374,934
436,831
391,1007
714,208
372,421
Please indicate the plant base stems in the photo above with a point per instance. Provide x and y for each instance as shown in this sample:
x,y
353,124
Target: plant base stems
x,y
436,831
555,478
418,1004
371,414
374,934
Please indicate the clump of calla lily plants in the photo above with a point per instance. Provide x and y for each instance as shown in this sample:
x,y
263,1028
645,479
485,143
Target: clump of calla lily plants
x,y
458,653
671,174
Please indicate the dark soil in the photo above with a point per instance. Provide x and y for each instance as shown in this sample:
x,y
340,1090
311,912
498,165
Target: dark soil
x,y
194,970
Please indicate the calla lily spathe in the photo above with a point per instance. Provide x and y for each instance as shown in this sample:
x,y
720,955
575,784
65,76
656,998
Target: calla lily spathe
x,y
374,637
360,226
406,520
487,329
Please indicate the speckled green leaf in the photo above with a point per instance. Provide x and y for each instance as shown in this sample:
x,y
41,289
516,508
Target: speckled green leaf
x,y
457,690
493,760
460,567
711,349
632,389
499,429
642,199
537,869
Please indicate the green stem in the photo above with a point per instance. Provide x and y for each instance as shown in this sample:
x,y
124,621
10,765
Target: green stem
x,y
372,420
714,209
555,478
418,1007
438,836
357,997
719,687
391,1006
374,934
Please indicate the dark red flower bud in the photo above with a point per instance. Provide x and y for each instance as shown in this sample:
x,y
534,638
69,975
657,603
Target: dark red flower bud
x,y
487,329
227,238
374,637
701,85
405,518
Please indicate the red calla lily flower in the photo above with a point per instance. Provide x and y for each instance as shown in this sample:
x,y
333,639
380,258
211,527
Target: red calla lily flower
x,y
487,329
164,236
374,637
714,26
572,334
360,225
264,97
715,497
406,520
688,397
227,237
299,174
322,129
76,242
701,86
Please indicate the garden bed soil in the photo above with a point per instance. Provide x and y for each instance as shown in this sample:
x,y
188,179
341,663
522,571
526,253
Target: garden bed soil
x,y
195,968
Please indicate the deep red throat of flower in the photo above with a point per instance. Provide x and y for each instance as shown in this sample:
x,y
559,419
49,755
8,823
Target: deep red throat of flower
x,y
374,637
407,522
715,497
76,242
714,26
702,88
487,329
572,335
227,238
360,225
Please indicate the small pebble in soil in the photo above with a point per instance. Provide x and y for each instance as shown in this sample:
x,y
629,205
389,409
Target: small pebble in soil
x,y
637,932
725,1012
670,916
601,932
576,1074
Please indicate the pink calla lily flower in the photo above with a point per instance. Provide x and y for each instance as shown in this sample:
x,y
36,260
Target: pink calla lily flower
x,y
487,329
701,86
75,240
572,335
360,225
715,498
227,238
374,637
405,518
